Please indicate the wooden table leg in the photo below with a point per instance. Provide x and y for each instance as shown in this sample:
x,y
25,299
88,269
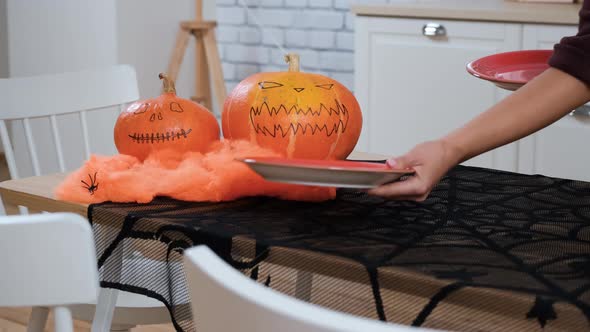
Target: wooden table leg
x,y
11,208
38,319
303,285
121,328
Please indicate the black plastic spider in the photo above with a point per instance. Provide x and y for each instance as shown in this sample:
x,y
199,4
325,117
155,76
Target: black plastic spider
x,y
93,186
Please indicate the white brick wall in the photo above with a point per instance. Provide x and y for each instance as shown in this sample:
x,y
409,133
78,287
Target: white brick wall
x,y
321,31
250,36
295,38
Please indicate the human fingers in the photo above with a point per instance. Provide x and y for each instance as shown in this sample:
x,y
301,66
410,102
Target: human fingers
x,y
412,187
399,162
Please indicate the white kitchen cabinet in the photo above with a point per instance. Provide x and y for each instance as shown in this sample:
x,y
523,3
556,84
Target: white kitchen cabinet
x,y
557,150
414,88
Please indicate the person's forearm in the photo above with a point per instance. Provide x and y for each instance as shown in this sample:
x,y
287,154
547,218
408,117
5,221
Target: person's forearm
x,y
536,105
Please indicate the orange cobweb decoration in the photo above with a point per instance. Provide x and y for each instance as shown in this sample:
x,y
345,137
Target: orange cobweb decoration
x,y
213,176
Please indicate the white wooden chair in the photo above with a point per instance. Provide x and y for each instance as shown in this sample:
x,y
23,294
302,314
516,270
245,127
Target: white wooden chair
x,y
49,96
40,104
218,290
47,260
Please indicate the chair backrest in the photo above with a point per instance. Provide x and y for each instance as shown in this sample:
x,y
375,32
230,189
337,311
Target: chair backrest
x,y
28,98
47,260
217,291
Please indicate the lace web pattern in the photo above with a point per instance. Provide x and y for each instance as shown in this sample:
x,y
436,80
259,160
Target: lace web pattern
x,y
488,250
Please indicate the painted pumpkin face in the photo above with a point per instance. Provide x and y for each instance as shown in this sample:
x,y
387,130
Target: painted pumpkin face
x,y
165,122
298,114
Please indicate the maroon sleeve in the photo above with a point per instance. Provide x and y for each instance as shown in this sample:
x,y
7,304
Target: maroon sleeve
x,y
572,54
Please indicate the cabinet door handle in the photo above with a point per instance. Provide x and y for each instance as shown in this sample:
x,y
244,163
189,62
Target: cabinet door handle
x,y
583,110
433,30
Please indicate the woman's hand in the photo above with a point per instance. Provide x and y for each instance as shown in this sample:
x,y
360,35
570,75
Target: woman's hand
x,y
542,101
431,161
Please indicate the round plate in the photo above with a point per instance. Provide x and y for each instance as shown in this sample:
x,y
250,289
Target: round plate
x,y
511,70
326,173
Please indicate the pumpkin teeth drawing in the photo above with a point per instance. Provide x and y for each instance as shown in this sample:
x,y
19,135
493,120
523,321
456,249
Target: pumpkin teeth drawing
x,y
286,124
159,137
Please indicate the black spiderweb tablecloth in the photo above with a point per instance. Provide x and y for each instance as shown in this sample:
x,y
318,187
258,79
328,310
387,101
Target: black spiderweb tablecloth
x,y
488,250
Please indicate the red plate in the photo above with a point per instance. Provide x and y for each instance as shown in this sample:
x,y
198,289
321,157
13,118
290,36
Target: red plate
x,y
511,70
332,173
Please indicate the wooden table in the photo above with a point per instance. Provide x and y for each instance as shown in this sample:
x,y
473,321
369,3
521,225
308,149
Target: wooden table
x,y
36,193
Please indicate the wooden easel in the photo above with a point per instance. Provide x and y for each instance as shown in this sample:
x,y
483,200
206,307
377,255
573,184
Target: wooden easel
x,y
207,61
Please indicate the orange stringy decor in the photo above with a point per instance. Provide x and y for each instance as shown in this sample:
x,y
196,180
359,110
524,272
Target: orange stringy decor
x,y
213,176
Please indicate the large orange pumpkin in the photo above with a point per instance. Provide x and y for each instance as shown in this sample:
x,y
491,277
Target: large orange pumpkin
x,y
165,122
300,115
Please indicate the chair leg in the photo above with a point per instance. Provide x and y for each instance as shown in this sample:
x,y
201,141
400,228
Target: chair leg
x,y
63,319
105,308
38,319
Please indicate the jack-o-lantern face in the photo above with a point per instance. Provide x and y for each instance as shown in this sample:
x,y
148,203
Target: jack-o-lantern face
x,y
299,114
153,111
165,122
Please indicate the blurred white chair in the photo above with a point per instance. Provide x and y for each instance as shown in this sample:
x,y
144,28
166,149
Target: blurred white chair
x,y
218,290
47,260
79,93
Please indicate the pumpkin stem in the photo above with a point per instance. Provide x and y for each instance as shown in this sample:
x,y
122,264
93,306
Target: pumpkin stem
x,y
168,84
293,60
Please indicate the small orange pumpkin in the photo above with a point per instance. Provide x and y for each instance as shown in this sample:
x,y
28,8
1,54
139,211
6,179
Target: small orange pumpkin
x,y
165,122
300,115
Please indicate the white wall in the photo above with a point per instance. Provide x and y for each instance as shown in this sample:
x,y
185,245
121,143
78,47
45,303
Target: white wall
x,y
48,36
3,40
146,33
3,45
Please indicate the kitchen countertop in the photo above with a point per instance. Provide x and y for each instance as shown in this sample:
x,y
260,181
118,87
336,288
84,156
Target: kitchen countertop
x,y
476,10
